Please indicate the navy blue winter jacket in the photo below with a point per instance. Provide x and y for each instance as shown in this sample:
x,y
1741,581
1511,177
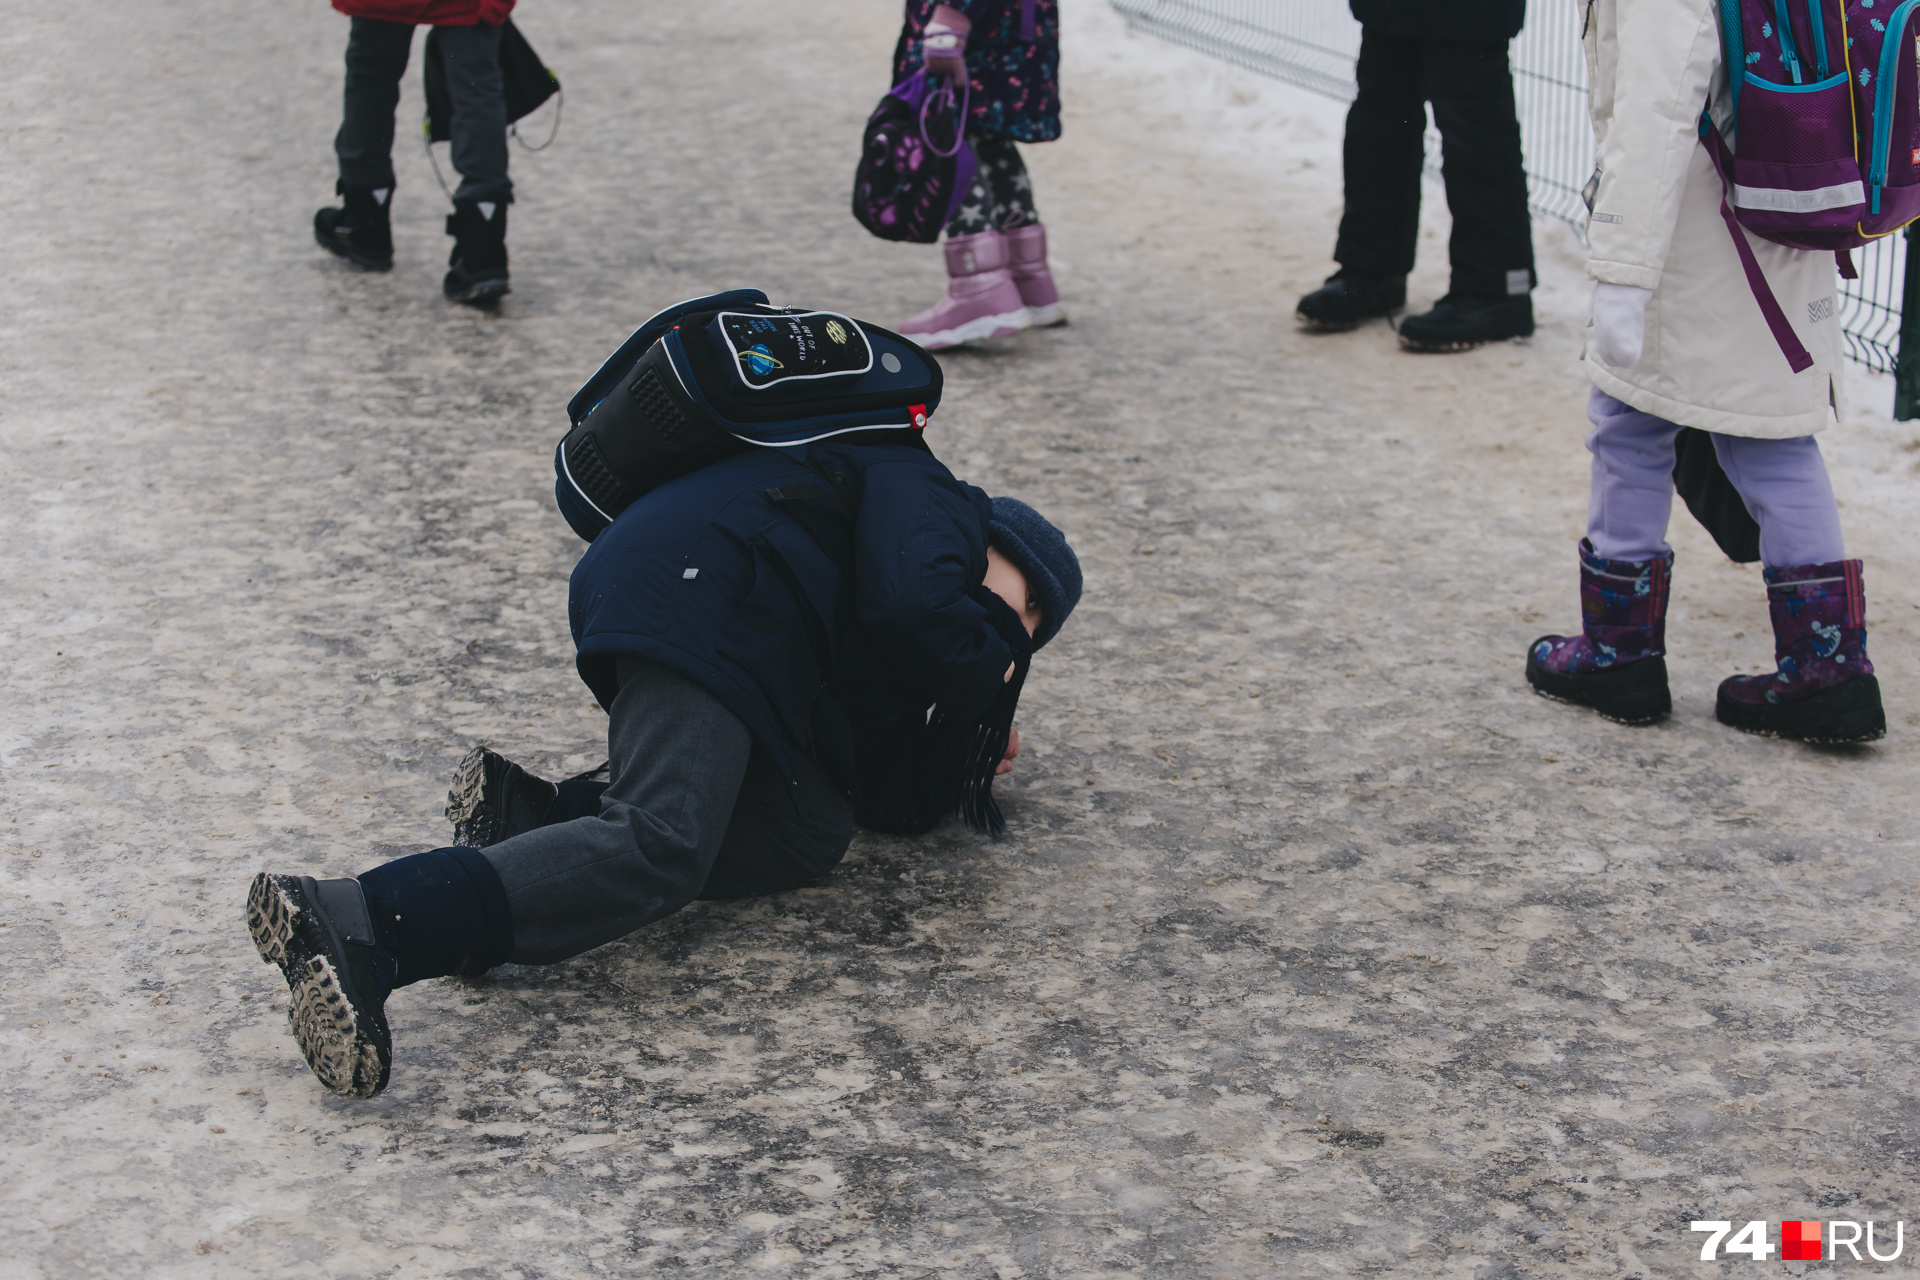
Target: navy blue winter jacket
x,y
1443,21
826,634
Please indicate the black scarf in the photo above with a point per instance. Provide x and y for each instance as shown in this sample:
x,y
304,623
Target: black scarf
x,y
946,767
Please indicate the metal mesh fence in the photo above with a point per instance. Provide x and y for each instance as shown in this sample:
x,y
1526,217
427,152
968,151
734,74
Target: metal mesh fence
x,y
1313,43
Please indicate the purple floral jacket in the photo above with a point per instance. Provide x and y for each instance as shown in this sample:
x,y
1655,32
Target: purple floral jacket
x,y
1013,60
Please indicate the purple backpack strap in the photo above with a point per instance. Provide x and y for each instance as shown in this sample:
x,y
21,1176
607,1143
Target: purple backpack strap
x,y
1026,20
1783,333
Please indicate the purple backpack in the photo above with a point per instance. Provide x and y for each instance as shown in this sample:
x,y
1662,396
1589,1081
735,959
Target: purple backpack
x,y
909,185
1826,144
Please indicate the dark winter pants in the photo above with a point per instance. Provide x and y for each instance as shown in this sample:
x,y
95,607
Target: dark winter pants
x,y
1001,197
377,58
1471,89
695,809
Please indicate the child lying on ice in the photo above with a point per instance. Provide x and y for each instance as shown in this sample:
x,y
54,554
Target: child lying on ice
x,y
769,652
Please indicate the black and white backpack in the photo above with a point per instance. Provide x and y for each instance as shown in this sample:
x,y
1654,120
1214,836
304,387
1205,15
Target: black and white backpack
x,y
720,375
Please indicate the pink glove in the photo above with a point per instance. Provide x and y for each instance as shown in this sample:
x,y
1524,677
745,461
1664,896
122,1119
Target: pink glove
x,y
944,45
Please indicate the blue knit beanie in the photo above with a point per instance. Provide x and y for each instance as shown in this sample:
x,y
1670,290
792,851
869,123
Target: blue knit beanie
x,y
1039,551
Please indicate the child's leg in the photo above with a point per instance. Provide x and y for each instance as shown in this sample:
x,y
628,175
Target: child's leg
x,y
376,59
678,757
479,123
1617,664
1007,181
1786,488
1631,499
783,833
975,213
982,299
1822,688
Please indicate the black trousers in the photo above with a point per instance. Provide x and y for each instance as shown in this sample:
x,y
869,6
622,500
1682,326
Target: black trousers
x,y
377,58
1471,89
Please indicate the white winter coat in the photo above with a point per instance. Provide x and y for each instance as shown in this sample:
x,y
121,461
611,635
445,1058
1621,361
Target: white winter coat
x,y
1709,361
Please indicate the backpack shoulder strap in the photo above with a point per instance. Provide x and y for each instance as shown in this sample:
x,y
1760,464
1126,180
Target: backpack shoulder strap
x,y
1783,334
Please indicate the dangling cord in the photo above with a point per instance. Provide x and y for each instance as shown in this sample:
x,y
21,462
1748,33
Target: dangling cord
x,y
594,772
559,105
426,138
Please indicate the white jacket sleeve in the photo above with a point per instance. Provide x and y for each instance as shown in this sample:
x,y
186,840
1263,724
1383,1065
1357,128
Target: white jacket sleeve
x,y
1652,66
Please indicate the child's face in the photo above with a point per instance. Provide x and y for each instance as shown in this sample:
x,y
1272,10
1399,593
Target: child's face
x,y
1005,580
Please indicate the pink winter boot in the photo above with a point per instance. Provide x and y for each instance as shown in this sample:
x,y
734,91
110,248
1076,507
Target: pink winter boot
x,y
1028,247
982,300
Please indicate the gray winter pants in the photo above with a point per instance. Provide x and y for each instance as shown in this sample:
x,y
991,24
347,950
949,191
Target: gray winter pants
x,y
377,58
695,809
1783,483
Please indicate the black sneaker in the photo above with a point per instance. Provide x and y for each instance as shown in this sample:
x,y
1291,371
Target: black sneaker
x,y
1348,298
321,936
1460,322
478,264
359,229
491,798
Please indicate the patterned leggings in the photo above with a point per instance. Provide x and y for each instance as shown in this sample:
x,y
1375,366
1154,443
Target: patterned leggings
x,y
1001,197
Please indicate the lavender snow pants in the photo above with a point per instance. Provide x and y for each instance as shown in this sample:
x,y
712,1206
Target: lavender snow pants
x,y
1783,482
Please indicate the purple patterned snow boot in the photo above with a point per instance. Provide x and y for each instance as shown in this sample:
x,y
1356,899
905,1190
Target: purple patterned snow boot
x,y
1823,689
1617,665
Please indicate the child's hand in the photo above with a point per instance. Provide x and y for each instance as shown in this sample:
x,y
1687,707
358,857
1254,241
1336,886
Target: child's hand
x,y
945,45
1013,749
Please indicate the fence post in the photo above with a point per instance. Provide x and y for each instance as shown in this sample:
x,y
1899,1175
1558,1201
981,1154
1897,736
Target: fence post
x,y
1906,365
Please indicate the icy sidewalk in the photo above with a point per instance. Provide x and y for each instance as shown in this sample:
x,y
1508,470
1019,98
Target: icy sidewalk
x,y
1319,944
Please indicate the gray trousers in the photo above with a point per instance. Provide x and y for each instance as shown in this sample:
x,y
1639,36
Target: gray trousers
x,y
377,58
695,809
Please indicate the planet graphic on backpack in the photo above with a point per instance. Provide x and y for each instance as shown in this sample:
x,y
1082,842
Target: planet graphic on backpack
x,y
759,361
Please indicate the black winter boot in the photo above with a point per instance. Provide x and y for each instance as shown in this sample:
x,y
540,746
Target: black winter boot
x,y
1349,298
491,798
479,261
361,229
1460,322
320,934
